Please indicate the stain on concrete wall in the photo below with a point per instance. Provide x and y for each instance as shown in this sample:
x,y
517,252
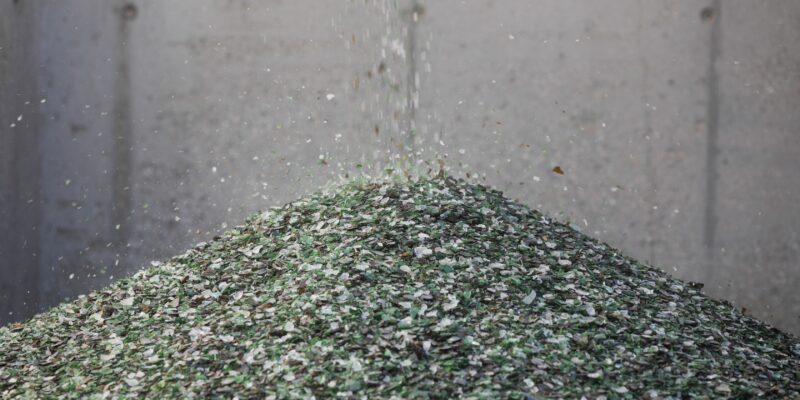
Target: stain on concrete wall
x,y
675,125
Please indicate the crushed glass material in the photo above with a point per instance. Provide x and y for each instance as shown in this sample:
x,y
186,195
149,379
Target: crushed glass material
x,y
429,288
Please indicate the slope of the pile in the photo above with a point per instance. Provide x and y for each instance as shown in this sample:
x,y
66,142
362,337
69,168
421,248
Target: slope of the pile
x,y
434,288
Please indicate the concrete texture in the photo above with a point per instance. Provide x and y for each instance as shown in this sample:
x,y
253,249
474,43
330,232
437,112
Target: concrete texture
x,y
675,124
19,165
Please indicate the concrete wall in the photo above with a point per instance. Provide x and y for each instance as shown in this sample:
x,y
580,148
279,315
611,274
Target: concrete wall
x,y
19,163
676,125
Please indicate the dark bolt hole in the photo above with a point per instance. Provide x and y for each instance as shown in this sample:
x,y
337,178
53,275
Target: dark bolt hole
x,y
414,13
418,9
707,14
129,11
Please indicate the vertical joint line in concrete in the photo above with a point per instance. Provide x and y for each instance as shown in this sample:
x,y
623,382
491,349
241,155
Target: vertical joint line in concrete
x,y
20,237
712,134
652,182
121,179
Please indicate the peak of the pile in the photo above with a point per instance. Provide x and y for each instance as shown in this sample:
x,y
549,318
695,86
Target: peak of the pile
x,y
429,287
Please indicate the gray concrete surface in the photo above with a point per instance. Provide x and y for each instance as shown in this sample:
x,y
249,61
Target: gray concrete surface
x,y
165,123
19,165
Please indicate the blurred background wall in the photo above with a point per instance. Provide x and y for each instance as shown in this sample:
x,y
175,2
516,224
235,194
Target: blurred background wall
x,y
130,130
